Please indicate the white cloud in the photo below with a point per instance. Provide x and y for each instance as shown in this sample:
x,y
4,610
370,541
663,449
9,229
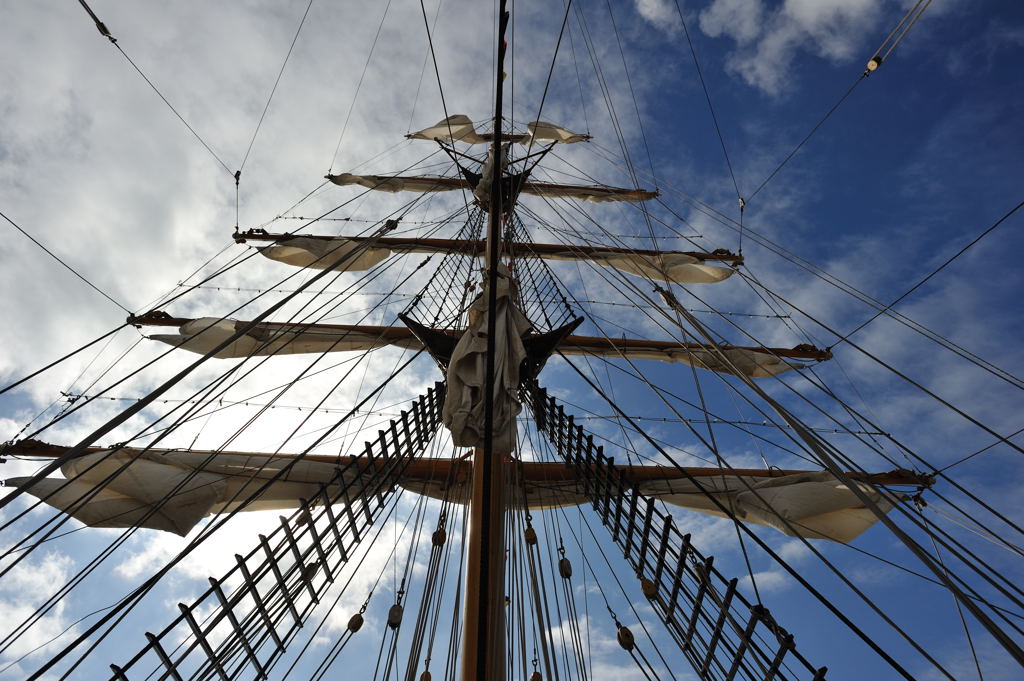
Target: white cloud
x,y
661,13
768,40
23,589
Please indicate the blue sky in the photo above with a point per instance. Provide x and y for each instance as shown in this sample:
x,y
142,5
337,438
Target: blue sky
x,y
922,157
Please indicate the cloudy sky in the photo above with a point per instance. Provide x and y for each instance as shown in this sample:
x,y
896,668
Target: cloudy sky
x,y
921,158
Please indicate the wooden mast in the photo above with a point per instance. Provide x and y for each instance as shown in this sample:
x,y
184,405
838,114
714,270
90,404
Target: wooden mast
x,y
483,649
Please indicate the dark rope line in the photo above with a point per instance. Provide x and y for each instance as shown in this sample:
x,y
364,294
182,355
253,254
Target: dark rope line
x,y
67,266
976,453
808,136
276,82
707,97
551,71
106,33
932,273
58,361
175,111
359,84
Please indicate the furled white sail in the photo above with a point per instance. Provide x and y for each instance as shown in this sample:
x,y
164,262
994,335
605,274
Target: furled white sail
x,y
745,361
549,132
320,253
680,268
413,183
590,194
459,128
814,504
172,491
206,333
463,412
399,183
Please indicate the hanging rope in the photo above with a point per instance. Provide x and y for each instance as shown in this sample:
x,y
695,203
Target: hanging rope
x,y
73,271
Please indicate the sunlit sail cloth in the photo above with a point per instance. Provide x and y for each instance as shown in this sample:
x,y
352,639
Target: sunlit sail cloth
x,y
319,252
814,504
459,128
463,412
681,268
549,132
752,362
269,338
173,490
455,128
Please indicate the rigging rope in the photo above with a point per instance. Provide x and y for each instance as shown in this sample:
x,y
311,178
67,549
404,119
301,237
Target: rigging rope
x,y
273,90
73,271
113,41
931,274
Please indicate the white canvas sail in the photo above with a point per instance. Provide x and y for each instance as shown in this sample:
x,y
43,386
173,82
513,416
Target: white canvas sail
x,y
815,504
459,128
206,333
321,253
171,490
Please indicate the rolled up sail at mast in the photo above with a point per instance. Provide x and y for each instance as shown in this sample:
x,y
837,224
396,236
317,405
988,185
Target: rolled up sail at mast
x,y
271,338
319,252
466,378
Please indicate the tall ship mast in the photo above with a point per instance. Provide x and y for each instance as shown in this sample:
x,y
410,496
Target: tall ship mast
x,y
466,411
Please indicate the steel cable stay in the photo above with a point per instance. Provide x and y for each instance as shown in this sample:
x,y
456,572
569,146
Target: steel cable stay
x,y
113,41
932,273
273,90
68,267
